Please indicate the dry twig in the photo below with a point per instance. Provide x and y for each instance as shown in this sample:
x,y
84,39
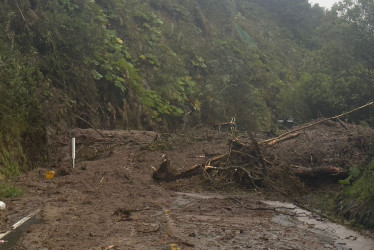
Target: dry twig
x,y
92,126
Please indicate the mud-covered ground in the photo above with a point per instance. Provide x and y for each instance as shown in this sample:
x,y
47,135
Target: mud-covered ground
x,y
110,201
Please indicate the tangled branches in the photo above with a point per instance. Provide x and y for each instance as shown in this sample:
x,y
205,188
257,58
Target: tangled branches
x,y
244,163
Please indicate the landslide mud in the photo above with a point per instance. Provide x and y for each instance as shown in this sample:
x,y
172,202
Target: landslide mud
x,y
110,201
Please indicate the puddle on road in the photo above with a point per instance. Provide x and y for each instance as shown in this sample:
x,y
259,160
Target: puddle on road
x,y
334,235
344,238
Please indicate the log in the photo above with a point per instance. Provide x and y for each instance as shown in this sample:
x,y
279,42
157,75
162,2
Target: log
x,y
288,137
343,124
166,172
215,160
317,171
316,123
195,170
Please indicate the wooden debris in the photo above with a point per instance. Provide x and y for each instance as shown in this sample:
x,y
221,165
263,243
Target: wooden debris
x,y
110,247
89,124
317,171
343,124
316,123
253,164
165,172
288,137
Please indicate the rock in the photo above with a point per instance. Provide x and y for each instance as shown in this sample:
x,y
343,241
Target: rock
x,y
2,205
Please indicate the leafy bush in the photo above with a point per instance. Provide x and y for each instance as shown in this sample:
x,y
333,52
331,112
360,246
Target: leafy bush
x,y
356,203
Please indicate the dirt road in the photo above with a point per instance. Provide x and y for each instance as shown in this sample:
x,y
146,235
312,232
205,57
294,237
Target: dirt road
x,y
109,201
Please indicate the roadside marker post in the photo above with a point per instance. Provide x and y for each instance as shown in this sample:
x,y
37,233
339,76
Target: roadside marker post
x,y
73,151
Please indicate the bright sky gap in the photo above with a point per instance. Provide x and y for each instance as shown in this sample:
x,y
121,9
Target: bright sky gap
x,y
324,3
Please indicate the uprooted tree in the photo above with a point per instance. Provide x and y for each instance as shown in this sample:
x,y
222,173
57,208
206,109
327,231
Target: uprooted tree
x,y
322,148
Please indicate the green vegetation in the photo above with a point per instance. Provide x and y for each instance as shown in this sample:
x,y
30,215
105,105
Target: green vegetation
x,y
8,190
20,112
161,64
356,203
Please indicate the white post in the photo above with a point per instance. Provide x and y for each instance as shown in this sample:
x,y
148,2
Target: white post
x,y
73,151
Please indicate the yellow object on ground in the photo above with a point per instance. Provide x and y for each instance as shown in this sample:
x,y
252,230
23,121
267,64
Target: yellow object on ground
x,y
174,247
50,175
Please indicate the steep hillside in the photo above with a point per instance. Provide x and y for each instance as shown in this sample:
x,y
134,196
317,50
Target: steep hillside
x,y
135,64
164,65
199,56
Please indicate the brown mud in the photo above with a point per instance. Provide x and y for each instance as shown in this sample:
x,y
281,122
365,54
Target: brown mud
x,y
110,201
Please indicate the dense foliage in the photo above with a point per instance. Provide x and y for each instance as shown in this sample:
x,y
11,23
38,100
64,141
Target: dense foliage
x,y
356,201
157,64
162,64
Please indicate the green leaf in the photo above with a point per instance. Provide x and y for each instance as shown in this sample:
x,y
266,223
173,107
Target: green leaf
x,y
96,74
346,181
119,84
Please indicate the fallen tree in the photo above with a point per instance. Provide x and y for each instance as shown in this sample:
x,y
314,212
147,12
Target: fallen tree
x,y
337,117
321,148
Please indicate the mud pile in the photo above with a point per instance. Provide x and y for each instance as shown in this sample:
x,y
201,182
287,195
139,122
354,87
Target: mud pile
x,y
320,151
325,145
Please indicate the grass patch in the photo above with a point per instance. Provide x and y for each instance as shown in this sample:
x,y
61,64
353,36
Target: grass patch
x,y
11,156
8,167
8,190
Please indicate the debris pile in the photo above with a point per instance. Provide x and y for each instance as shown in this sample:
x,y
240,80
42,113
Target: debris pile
x,y
324,148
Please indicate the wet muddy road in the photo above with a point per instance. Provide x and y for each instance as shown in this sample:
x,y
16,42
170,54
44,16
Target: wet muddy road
x,y
109,201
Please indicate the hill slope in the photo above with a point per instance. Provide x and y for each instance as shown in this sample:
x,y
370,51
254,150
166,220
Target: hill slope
x,y
171,64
